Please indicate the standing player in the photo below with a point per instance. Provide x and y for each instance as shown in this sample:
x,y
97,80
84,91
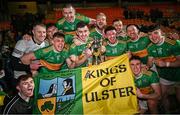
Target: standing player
x,y
98,31
164,50
80,53
25,46
52,58
68,23
113,46
121,34
137,45
148,88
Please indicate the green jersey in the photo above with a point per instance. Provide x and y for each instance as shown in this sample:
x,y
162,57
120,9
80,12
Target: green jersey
x,y
139,48
69,39
69,28
166,52
176,48
145,80
123,38
77,50
178,42
114,50
51,60
95,34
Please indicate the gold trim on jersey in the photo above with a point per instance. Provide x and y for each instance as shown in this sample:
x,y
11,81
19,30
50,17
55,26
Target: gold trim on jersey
x,y
141,53
166,59
50,66
79,17
70,33
48,49
146,72
172,42
61,21
146,90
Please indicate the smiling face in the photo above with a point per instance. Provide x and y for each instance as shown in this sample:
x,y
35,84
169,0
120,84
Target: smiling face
x,y
69,14
83,33
135,66
111,36
132,32
58,43
50,32
101,21
155,36
26,87
39,33
118,25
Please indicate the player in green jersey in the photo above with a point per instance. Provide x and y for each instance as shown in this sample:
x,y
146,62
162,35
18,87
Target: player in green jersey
x,y
114,47
164,50
138,43
121,34
98,31
79,51
52,58
147,83
70,18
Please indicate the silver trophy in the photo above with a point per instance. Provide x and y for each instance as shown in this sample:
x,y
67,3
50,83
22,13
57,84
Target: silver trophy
x,y
95,46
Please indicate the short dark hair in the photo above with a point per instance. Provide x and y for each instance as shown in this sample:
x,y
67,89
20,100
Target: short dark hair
x,y
153,28
132,25
23,78
135,58
80,24
50,25
59,35
68,6
108,28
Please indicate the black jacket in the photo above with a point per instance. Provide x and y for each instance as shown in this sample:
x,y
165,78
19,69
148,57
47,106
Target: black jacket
x,y
16,105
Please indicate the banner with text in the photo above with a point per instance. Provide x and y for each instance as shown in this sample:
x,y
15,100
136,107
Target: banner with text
x,y
107,88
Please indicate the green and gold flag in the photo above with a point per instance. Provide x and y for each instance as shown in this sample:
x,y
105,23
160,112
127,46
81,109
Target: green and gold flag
x,y
107,88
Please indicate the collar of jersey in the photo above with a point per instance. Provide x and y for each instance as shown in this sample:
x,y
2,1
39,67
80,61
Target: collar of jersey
x,y
139,76
35,41
97,30
112,44
161,42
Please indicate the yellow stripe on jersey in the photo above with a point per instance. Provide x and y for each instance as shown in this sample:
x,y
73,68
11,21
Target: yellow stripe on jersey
x,y
172,42
71,33
167,59
141,53
50,66
146,90
61,21
148,73
79,17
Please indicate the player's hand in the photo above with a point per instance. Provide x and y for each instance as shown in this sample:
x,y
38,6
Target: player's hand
x,y
160,63
73,58
35,65
76,41
103,49
138,92
88,52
